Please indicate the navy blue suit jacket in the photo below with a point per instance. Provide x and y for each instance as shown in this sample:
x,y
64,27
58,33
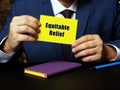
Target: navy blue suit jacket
x,y
100,17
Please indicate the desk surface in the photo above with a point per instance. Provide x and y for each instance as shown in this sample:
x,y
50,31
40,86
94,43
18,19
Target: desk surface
x,y
13,78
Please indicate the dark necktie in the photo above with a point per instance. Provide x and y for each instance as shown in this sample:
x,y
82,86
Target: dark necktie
x,y
67,13
67,48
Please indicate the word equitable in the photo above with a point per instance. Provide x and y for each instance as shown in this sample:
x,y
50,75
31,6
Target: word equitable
x,y
56,26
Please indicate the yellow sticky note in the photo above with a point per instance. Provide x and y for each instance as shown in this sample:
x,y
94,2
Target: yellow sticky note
x,y
57,30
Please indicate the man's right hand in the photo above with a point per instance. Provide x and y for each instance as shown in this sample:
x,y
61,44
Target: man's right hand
x,y
22,29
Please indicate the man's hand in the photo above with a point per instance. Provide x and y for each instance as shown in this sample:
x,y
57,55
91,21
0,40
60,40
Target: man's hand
x,y
22,29
91,48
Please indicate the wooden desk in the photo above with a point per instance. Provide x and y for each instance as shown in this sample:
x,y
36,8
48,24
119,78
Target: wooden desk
x,y
13,78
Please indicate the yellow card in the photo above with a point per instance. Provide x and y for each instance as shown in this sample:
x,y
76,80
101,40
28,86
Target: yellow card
x,y
57,30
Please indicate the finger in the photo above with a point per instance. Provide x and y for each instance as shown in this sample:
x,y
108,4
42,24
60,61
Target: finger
x,y
30,18
83,39
90,58
26,20
26,38
27,30
83,46
86,52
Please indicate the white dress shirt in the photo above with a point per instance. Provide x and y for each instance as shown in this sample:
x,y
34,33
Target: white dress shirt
x,y
57,8
3,56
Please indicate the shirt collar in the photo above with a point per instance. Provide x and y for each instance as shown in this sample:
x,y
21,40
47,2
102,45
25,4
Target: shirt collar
x,y
57,7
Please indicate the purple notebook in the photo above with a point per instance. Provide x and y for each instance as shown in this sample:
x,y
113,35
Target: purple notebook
x,y
51,68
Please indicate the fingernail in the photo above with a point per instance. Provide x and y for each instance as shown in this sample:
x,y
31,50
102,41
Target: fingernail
x,y
74,44
73,50
38,31
38,23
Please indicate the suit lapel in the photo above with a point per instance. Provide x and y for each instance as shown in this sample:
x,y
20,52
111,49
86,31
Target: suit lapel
x,y
82,14
46,7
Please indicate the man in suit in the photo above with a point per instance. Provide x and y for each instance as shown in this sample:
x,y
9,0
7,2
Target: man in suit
x,y
98,32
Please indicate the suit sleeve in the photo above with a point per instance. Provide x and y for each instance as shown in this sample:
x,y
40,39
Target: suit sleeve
x,y
116,27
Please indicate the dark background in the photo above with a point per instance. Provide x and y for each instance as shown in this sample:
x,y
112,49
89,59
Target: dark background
x,y
5,6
